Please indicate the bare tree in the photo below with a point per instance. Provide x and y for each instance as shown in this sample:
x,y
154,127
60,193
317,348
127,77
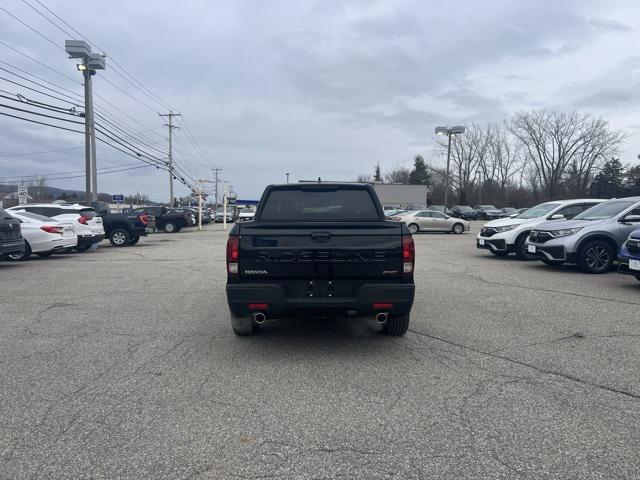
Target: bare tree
x,y
504,157
398,175
468,153
553,141
364,178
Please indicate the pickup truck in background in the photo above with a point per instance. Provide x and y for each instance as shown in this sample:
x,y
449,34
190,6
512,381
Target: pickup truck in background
x,y
122,229
320,247
166,220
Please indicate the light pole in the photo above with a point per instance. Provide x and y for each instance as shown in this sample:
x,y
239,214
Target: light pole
x,y
287,177
90,63
450,132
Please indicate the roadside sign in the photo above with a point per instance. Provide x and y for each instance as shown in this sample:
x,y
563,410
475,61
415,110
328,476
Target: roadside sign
x,y
23,196
117,198
231,200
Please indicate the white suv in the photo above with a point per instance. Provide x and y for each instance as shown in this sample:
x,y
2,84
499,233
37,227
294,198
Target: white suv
x,y
86,223
508,235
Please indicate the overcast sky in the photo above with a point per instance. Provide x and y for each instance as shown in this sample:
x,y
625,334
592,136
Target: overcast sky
x,y
325,88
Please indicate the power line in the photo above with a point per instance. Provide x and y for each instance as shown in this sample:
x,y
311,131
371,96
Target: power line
x,y
64,173
32,29
40,123
39,62
52,178
38,153
48,19
39,114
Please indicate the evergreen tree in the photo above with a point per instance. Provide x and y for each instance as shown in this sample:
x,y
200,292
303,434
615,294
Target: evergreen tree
x,y
377,176
609,182
419,175
632,181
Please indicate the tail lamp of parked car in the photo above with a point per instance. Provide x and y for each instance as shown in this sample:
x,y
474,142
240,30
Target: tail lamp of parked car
x,y
51,229
233,254
83,220
144,219
408,255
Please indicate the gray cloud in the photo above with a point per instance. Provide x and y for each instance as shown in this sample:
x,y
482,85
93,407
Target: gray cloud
x,y
324,88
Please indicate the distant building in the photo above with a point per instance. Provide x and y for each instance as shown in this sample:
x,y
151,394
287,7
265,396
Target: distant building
x,y
399,195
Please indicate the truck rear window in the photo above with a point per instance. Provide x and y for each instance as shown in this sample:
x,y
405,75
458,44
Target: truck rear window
x,y
339,204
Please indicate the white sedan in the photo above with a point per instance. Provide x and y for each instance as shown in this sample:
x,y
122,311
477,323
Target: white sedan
x,y
43,235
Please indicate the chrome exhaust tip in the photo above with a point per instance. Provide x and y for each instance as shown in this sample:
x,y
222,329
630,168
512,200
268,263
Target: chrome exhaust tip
x,y
382,317
259,317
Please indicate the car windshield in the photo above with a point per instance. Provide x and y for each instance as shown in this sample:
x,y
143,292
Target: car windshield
x,y
539,210
605,210
488,207
465,209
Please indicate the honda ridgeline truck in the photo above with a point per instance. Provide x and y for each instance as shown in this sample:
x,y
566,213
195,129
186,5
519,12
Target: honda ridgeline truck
x,y
324,248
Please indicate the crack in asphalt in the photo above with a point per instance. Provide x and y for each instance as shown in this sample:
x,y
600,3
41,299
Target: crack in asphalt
x,y
557,373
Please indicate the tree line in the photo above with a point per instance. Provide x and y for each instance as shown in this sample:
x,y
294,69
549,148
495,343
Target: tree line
x,y
529,158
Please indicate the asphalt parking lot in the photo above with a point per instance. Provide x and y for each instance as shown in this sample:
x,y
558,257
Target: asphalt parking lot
x,y
121,363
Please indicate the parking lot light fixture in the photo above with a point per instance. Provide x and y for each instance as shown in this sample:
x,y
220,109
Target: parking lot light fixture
x,y
450,132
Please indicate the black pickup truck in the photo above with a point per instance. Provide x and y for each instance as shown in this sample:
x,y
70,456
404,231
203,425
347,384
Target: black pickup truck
x,y
11,240
122,229
320,247
166,220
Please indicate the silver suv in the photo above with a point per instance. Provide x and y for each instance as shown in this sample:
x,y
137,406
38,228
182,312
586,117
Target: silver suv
x,y
592,239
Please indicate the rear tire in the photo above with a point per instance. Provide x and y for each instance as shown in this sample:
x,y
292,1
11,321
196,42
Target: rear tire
x,y
414,228
170,227
596,257
458,228
396,325
243,325
500,253
638,277
83,248
134,240
21,257
44,254
119,237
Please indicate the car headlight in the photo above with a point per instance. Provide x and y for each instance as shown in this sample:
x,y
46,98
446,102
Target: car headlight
x,y
565,232
504,229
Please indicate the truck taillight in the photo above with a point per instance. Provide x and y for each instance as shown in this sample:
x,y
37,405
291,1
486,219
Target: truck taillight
x,y
51,229
144,219
83,220
233,254
408,254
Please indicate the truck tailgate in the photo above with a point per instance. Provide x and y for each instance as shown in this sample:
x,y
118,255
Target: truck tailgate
x,y
272,251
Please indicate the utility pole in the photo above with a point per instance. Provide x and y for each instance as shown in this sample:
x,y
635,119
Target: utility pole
x,y
199,194
170,163
216,171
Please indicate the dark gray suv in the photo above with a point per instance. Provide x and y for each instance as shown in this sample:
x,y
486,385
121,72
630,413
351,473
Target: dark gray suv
x,y
592,239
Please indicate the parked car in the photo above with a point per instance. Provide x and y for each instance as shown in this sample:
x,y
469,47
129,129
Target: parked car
x,y
629,256
43,235
219,216
592,239
431,221
337,254
522,210
508,235
122,229
11,241
464,211
439,208
190,213
86,223
166,220
392,213
246,214
508,211
488,212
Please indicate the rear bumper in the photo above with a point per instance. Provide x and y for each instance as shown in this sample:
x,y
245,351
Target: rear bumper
x,y
239,296
89,239
11,246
